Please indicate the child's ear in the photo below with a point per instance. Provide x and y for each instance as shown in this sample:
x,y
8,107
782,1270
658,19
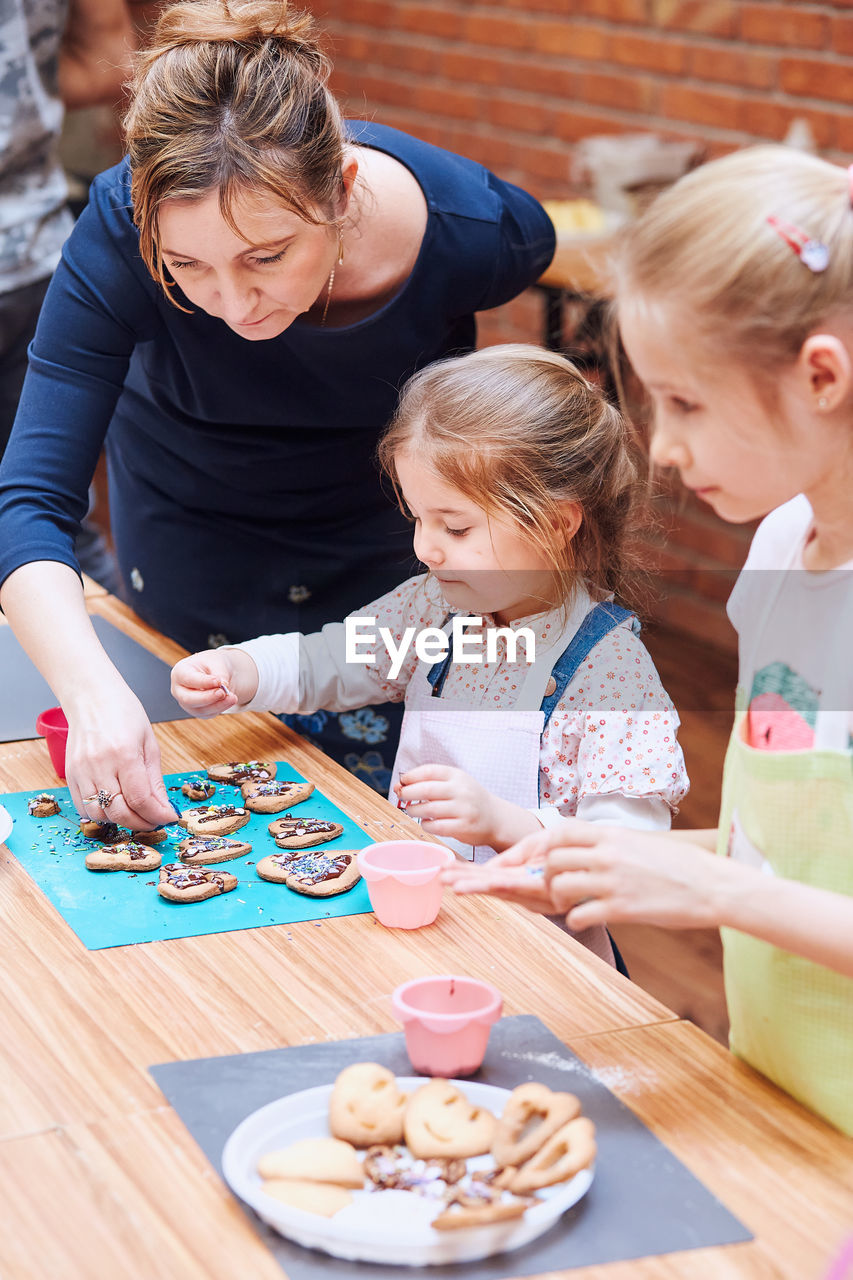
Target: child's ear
x,y
572,516
825,365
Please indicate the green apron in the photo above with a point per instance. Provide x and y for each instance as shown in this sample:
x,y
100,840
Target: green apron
x,y
791,813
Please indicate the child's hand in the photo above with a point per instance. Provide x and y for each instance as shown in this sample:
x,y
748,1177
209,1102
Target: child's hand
x,y
509,876
213,681
448,802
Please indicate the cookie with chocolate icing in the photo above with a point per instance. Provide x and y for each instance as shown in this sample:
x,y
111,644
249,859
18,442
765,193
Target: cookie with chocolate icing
x,y
272,797
129,855
198,789
105,832
317,875
198,849
301,833
150,837
44,805
193,884
236,772
216,820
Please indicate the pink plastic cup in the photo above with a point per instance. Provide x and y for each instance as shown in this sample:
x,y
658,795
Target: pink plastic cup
x,y
53,727
402,878
447,1020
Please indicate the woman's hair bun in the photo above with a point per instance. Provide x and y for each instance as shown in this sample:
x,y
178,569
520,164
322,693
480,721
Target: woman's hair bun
x,y
244,22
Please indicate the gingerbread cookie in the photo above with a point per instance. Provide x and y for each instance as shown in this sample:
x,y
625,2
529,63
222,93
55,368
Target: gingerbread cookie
x,y
317,875
216,820
236,772
104,832
193,884
302,833
322,1198
198,789
532,1114
44,805
440,1121
315,1160
129,855
366,1106
150,837
272,797
198,849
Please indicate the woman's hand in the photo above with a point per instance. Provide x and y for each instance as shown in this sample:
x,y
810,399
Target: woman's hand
x,y
112,749
612,874
449,802
518,875
213,681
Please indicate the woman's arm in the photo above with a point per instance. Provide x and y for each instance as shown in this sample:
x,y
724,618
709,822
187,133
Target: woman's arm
x,y
111,746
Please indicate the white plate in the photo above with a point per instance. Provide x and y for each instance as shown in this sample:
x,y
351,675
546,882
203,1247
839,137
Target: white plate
x,y
379,1226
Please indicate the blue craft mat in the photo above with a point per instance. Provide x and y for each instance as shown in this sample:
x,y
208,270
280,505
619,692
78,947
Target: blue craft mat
x,y
115,908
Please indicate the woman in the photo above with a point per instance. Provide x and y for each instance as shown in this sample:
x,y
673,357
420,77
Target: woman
x,y
239,304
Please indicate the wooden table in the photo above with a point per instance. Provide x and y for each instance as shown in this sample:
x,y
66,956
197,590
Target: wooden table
x,y
575,279
101,1180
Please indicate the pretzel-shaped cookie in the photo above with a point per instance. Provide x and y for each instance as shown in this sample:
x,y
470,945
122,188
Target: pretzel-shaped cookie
x,y
532,1114
566,1152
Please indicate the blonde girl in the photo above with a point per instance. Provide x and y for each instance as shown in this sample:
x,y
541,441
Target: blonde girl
x,y
735,302
517,476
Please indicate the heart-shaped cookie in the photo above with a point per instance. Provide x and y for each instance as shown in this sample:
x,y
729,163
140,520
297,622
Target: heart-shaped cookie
x,y
193,884
216,820
202,849
302,833
236,772
317,875
532,1113
273,797
44,805
366,1106
566,1152
126,856
198,789
440,1121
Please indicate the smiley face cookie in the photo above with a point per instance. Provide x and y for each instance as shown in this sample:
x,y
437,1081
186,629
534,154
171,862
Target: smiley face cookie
x,y
129,855
198,789
199,849
273,797
236,772
193,884
440,1121
216,820
367,1107
317,875
44,805
302,833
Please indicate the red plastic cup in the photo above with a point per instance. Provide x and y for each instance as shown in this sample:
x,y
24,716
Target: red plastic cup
x,y
402,878
446,1020
53,727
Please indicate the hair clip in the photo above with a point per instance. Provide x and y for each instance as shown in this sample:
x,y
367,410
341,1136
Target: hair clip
x,y
813,254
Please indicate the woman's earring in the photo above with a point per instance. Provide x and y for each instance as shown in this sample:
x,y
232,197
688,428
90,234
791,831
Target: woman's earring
x,y
340,249
822,401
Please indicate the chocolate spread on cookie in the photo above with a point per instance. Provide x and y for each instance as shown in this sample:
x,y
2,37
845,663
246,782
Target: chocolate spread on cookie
x,y
303,826
275,788
247,770
217,811
180,878
314,868
210,844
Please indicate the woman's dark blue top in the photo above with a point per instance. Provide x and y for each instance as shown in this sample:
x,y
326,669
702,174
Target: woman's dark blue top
x,y
243,490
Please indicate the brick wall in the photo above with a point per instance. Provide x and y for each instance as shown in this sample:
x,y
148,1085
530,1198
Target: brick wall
x,y
515,83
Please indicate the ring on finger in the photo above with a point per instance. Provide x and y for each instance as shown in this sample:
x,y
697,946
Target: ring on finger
x,y
103,798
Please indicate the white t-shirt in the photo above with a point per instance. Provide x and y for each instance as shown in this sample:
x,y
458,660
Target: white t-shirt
x,y
795,639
